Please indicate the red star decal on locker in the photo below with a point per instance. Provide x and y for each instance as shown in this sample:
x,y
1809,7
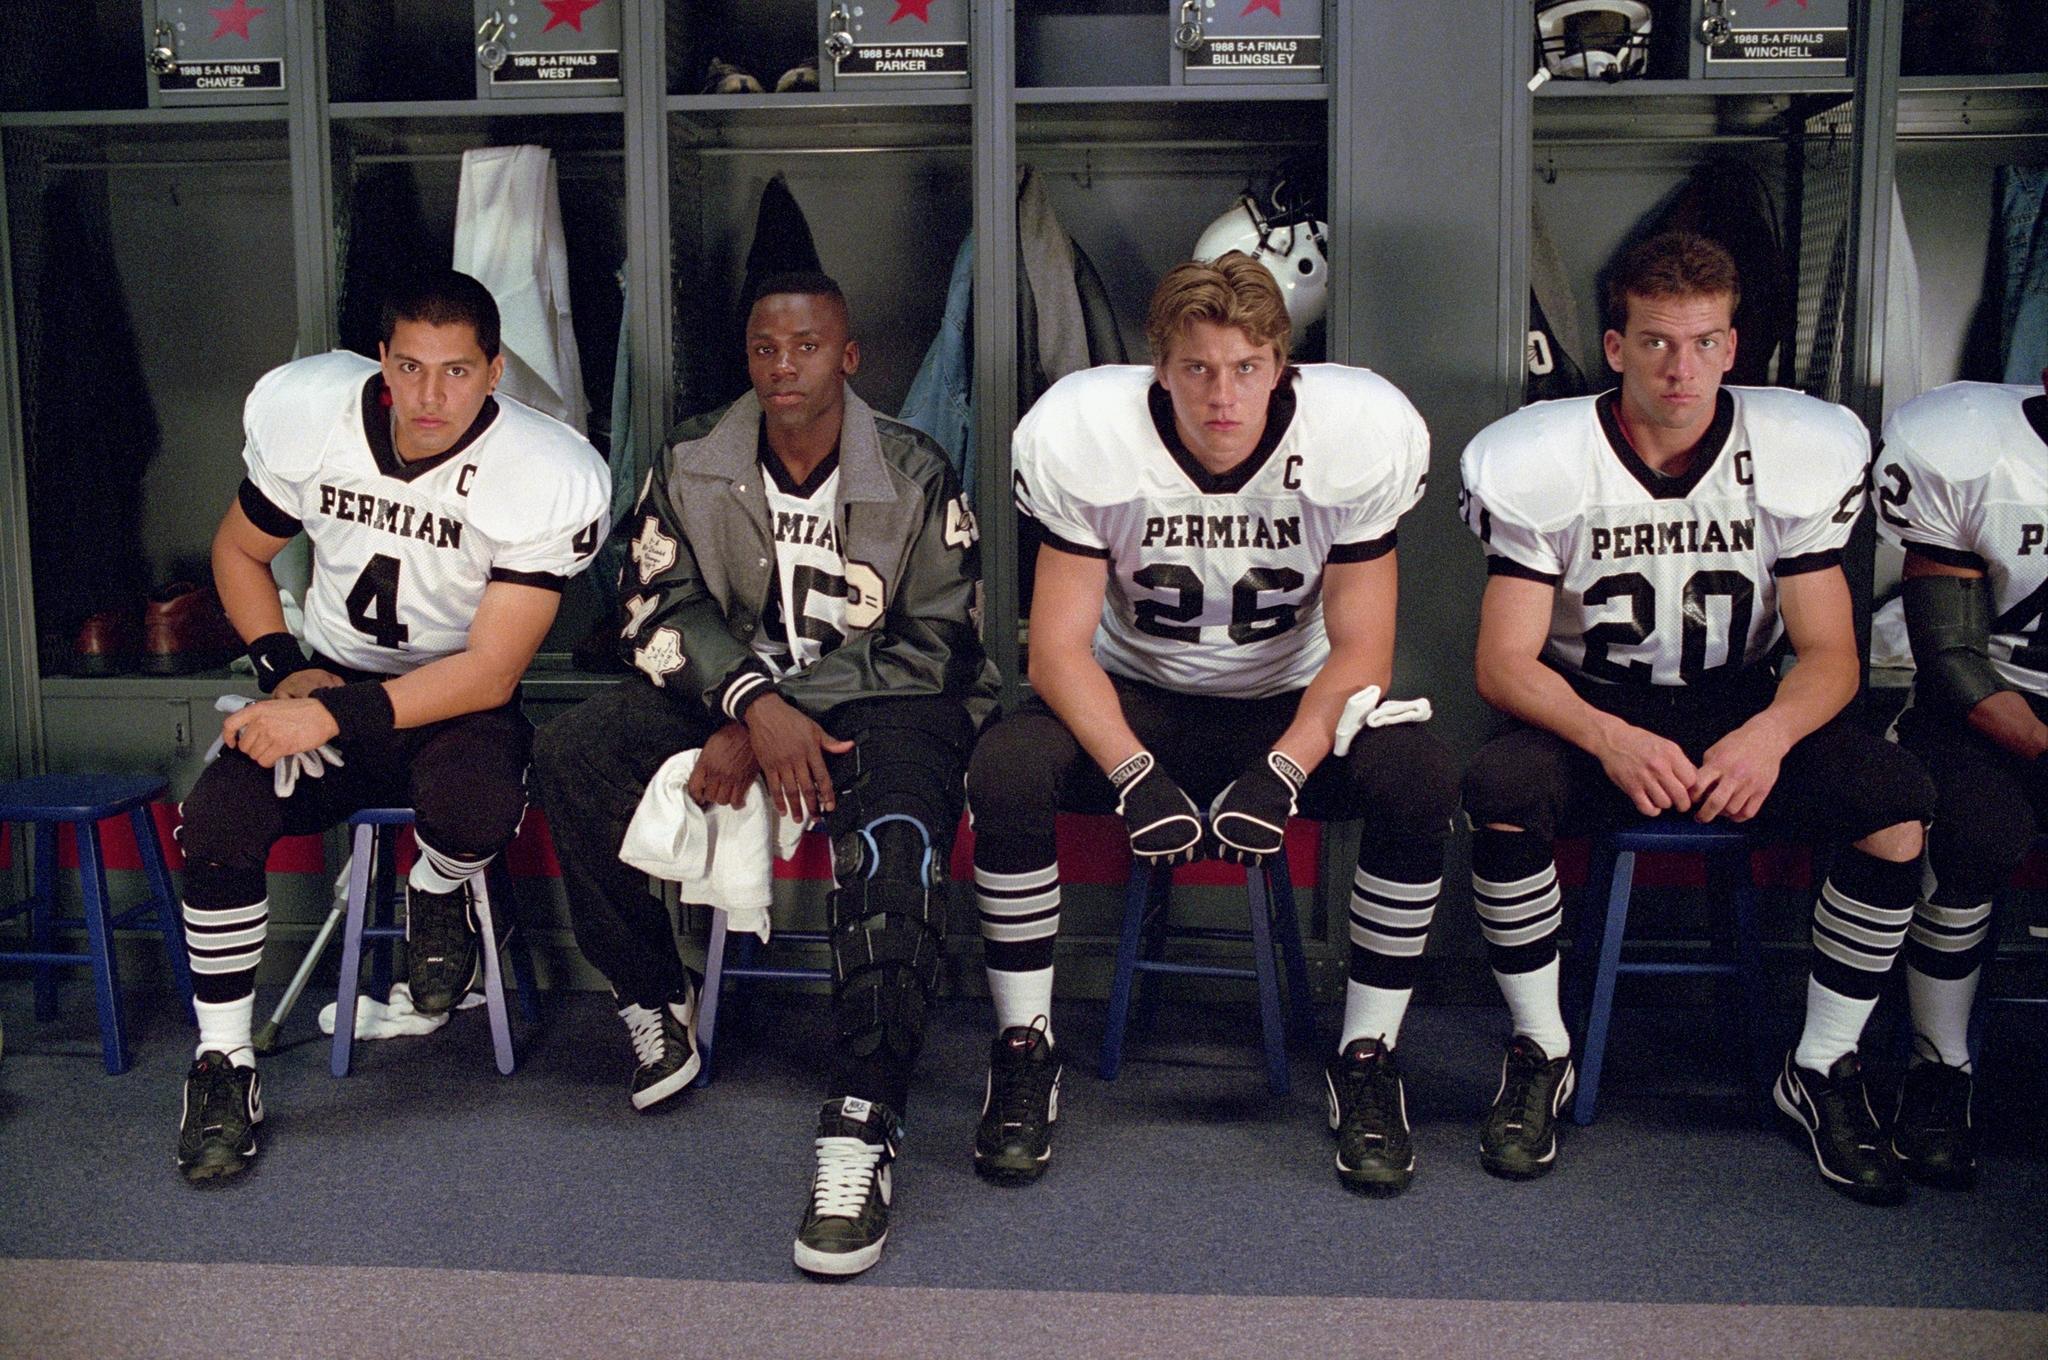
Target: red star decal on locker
x,y
1769,3
920,8
1273,5
234,19
568,12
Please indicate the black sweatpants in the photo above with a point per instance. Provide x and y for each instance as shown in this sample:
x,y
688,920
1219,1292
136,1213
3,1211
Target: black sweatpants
x,y
1989,806
1400,780
591,766
463,777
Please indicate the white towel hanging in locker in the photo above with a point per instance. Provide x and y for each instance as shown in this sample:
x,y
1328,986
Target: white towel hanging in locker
x,y
508,236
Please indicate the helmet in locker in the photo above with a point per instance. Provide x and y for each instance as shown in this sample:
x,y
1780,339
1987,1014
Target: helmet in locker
x,y
1291,251
1593,39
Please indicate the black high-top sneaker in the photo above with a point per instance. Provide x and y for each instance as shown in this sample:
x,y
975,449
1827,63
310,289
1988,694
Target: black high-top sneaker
x,y
443,963
1841,1124
1014,1140
847,1223
1932,1133
1518,1139
665,1042
1369,1115
223,1106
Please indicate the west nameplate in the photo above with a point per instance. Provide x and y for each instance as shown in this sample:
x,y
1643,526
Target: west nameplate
x,y
556,68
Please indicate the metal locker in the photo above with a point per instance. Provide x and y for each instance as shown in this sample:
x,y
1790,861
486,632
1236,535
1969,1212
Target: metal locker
x,y
894,44
202,52
1760,38
528,49
1237,42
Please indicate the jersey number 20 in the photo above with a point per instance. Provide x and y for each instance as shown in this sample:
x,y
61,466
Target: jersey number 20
x,y
1633,586
377,589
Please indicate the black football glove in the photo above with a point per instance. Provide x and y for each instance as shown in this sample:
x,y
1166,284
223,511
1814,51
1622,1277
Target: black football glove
x,y
1249,819
1165,824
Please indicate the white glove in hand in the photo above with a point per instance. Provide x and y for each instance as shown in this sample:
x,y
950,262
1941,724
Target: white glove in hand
x,y
1366,710
285,774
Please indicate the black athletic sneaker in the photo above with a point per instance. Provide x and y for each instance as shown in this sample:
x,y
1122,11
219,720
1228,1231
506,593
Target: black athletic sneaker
x,y
1841,1124
848,1221
443,963
665,1041
1931,1129
1022,1103
1369,1115
1518,1139
223,1106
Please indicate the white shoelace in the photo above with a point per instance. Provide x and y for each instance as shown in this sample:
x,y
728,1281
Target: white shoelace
x,y
846,1168
645,1027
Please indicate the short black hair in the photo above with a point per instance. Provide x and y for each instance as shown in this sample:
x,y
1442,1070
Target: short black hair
x,y
442,297
808,283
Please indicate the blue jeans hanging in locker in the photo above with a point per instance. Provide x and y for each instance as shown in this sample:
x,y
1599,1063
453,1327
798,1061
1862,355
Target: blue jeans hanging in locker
x,y
2022,208
941,398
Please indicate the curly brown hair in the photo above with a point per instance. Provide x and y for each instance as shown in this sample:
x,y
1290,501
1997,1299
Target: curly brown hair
x,y
1232,290
1675,264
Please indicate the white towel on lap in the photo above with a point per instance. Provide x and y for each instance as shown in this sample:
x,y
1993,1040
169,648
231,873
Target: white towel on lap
x,y
719,855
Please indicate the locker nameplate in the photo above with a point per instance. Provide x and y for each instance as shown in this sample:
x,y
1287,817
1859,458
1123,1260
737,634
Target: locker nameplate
x,y
1273,54
905,59
556,68
261,73
1764,45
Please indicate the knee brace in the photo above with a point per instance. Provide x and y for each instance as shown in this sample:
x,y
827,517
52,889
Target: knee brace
x,y
888,924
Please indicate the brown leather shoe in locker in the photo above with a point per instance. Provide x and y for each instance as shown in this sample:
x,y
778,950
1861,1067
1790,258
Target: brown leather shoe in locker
x,y
106,644
185,630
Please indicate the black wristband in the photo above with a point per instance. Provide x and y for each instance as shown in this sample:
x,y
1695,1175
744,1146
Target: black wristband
x,y
275,656
360,710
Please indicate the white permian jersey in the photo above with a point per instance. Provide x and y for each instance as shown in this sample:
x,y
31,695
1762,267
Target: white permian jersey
x,y
1215,583
1963,479
806,616
1666,580
402,552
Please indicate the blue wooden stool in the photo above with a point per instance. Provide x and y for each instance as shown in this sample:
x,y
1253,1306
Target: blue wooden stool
x,y
374,854
1148,926
717,971
1729,880
85,800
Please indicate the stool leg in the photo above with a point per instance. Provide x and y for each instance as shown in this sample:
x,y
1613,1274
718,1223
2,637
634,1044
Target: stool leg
x,y
1582,964
1158,929
522,956
1272,1029
99,934
42,915
1603,986
494,981
1136,890
1301,1007
707,1000
362,862
386,905
1749,961
170,922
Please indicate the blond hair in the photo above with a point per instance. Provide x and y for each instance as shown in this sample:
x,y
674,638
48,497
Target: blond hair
x,y
1232,290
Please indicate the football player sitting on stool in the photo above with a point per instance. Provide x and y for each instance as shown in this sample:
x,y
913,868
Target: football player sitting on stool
x,y
1647,551
444,523
1216,584
1962,485
799,604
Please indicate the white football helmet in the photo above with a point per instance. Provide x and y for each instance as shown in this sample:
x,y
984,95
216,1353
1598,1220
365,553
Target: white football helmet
x,y
1593,39
1291,251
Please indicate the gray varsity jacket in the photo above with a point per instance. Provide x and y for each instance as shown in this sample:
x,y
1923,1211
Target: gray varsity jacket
x,y
702,564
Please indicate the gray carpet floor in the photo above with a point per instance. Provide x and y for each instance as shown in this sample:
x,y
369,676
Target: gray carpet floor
x,y
1181,1178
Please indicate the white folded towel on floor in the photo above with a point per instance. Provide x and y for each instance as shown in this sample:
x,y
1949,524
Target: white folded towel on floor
x,y
388,1019
719,855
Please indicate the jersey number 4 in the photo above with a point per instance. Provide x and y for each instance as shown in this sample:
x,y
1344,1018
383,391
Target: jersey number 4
x,y
373,603
1249,622
2024,620
1633,586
